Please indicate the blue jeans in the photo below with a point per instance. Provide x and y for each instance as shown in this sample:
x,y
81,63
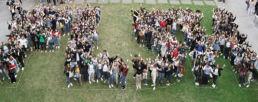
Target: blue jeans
x,y
115,77
161,76
51,45
99,73
169,77
42,1
153,49
123,77
67,27
68,81
4,73
57,41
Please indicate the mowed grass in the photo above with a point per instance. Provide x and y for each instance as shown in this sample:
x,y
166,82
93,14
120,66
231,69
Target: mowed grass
x,y
43,78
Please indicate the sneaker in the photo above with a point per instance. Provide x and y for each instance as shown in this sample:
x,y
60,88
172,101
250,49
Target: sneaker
x,y
22,68
112,85
196,83
154,88
109,86
101,79
168,84
71,84
213,85
192,69
3,78
152,84
145,84
239,85
68,86
45,51
97,47
97,81
15,76
247,85
89,82
41,51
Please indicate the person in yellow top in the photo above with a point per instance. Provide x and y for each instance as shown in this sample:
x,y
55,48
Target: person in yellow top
x,y
78,74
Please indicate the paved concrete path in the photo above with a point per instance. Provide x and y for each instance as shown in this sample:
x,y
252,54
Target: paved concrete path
x,y
246,22
6,16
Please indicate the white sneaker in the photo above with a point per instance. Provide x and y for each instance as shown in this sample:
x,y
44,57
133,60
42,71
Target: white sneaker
x,y
112,85
109,86
15,76
213,85
239,85
89,82
247,85
97,81
145,84
97,47
22,68
168,84
68,86
154,88
152,85
192,69
71,84
41,51
196,83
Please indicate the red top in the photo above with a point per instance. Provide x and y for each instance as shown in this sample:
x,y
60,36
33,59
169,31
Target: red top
x,y
125,70
163,24
54,33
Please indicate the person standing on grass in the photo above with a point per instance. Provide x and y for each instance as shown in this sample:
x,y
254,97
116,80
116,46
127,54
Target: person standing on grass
x,y
207,73
69,75
154,74
4,71
124,74
145,72
161,73
91,72
77,74
216,73
242,75
12,71
41,37
115,70
138,78
250,73
105,70
135,61
84,68
168,73
99,70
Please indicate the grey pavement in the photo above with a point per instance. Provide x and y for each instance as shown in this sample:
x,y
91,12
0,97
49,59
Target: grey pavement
x,y
138,1
91,1
186,1
115,1
103,1
6,16
126,1
174,2
246,22
162,1
198,2
151,1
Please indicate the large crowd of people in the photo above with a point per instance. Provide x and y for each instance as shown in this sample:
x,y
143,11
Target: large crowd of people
x,y
42,28
156,29
233,46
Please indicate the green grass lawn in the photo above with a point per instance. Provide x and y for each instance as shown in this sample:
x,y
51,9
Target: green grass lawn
x,y
43,78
